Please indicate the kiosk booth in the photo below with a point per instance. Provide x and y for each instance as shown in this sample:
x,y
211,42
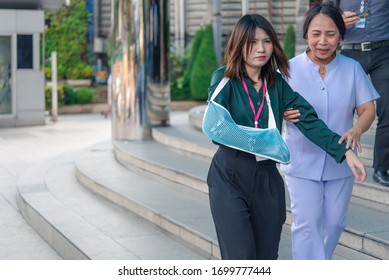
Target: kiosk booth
x,y
22,96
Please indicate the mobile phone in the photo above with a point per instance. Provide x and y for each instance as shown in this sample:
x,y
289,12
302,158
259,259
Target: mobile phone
x,y
364,14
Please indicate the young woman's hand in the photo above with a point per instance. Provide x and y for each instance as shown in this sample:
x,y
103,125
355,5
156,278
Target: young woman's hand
x,y
356,165
291,115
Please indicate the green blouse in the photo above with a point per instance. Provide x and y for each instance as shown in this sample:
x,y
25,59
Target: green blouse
x,y
234,98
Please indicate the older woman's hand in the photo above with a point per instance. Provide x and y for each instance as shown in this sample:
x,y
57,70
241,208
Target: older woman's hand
x,y
353,138
291,115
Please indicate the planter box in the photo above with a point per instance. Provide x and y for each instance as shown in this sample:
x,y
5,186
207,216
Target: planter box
x,y
184,105
102,107
76,83
83,109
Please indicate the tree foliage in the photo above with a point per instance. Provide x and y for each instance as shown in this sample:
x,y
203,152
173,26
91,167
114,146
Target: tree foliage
x,y
67,36
290,42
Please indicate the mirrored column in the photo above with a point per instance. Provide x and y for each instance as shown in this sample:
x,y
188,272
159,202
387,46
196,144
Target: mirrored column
x,y
140,68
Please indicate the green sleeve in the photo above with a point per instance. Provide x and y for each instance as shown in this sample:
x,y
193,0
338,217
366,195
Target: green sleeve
x,y
224,94
311,126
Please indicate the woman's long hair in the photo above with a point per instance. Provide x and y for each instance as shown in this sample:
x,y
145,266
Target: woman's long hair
x,y
240,41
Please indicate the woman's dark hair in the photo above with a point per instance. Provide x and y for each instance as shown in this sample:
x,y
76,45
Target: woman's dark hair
x,y
242,37
328,9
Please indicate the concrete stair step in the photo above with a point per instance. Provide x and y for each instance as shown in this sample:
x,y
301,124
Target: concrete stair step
x,y
79,224
153,154
181,136
183,212
177,209
369,199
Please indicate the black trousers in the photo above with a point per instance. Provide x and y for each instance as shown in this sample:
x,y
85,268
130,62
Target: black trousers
x,y
247,200
376,63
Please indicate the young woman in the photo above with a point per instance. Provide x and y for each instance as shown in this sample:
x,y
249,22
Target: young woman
x,y
336,86
247,195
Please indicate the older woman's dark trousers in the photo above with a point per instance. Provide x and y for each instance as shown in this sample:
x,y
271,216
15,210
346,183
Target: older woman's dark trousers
x,y
247,200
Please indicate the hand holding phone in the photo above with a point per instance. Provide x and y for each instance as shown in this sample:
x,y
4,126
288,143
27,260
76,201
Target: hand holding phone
x,y
350,18
364,14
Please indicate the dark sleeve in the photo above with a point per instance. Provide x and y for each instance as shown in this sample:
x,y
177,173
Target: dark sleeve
x,y
311,126
223,97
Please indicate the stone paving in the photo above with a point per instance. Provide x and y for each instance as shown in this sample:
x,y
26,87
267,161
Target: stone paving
x,y
21,147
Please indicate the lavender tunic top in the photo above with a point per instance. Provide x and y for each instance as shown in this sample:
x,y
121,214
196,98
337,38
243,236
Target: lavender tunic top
x,y
345,87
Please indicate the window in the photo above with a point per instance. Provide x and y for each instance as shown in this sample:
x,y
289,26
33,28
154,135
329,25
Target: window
x,y
5,76
25,53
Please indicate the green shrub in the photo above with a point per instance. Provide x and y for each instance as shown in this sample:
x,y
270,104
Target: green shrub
x,y
203,66
60,72
48,73
181,68
69,95
48,94
84,95
196,42
81,71
290,42
180,75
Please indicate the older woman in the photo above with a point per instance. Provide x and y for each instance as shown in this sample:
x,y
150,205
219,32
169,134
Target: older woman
x,y
336,86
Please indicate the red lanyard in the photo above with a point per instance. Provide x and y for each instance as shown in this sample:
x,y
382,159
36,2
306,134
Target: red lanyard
x,y
256,115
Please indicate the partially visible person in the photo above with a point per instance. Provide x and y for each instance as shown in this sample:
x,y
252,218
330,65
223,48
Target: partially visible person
x,y
246,193
367,41
314,3
336,86
107,111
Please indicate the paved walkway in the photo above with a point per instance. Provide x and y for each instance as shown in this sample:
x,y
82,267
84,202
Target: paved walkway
x,y
22,147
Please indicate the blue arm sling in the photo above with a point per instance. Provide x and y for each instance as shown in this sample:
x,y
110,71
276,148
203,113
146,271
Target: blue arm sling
x,y
262,142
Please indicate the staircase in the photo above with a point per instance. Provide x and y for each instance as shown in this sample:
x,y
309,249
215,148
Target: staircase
x,y
148,200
